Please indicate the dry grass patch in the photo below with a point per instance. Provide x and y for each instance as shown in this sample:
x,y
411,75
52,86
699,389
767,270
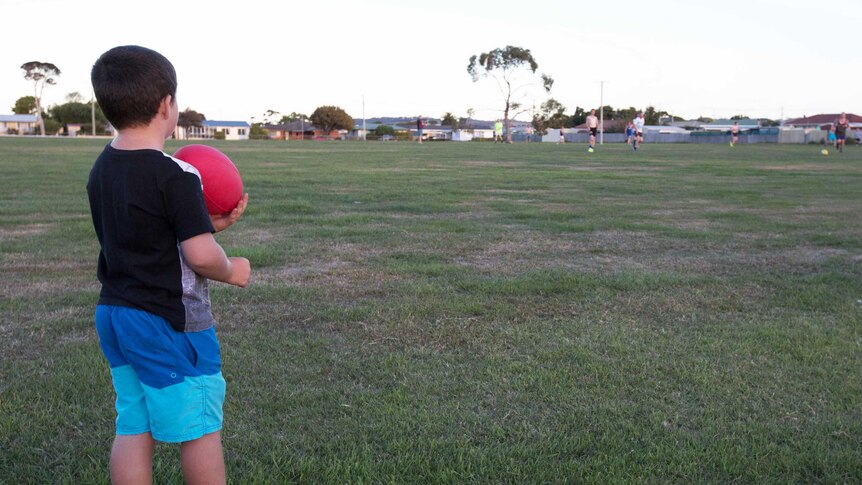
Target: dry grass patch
x,y
22,231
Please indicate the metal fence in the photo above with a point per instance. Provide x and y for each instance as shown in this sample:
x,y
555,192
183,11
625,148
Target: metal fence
x,y
763,135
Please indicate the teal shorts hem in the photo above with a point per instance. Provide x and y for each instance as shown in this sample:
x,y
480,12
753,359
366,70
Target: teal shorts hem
x,y
186,437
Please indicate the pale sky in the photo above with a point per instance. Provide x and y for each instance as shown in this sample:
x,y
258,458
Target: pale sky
x,y
235,60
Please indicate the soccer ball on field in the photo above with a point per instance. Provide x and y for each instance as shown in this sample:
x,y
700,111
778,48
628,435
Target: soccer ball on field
x,y
590,150
824,152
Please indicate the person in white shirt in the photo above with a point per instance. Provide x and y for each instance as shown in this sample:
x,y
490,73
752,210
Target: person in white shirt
x,y
593,125
639,129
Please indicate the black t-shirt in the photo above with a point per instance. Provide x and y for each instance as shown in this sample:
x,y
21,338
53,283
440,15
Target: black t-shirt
x,y
143,204
841,128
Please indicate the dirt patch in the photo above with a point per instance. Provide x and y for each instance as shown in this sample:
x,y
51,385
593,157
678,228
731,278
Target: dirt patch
x,y
621,251
15,232
484,163
340,267
806,167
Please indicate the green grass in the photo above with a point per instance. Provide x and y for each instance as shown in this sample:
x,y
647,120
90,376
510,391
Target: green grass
x,y
475,313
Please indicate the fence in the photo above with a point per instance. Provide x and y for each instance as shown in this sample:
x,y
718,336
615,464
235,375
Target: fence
x,y
764,135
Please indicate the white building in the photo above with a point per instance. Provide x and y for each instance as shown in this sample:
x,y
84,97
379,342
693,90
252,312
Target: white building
x,y
233,130
18,124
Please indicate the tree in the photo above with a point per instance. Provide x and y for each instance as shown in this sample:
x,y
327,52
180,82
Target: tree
x,y
627,114
652,116
257,132
609,112
189,118
25,105
268,115
294,116
384,130
540,124
75,112
331,118
580,116
41,73
555,113
449,119
511,67
74,97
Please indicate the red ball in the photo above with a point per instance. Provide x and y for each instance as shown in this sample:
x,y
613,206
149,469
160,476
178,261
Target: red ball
x,y
219,176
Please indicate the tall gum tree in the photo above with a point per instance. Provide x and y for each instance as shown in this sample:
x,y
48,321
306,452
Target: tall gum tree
x,y
42,74
514,70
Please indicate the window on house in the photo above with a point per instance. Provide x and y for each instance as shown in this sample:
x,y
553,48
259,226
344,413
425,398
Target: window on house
x,y
227,131
241,131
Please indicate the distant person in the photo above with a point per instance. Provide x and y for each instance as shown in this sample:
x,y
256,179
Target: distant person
x,y
630,133
841,126
638,123
420,127
593,125
498,131
153,317
858,133
831,138
734,133
562,136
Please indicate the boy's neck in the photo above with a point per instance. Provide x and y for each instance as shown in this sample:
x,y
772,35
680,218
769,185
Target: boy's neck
x,y
139,138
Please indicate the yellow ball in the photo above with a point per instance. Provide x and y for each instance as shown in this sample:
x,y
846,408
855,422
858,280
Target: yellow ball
x,y
824,151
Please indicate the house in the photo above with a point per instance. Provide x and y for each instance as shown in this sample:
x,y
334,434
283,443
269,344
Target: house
x,y
474,129
299,130
292,130
436,132
824,121
232,130
361,132
723,125
552,135
690,125
18,124
462,135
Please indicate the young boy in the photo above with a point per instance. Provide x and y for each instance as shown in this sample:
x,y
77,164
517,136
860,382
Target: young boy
x,y
630,133
153,317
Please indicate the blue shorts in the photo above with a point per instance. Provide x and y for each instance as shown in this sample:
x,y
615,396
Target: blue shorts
x,y
168,383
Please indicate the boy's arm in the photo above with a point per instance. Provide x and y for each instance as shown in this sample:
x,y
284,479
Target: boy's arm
x,y
207,258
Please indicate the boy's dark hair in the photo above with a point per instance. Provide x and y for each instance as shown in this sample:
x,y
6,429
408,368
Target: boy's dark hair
x,y
130,81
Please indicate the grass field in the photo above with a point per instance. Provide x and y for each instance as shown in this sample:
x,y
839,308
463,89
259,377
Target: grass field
x,y
475,313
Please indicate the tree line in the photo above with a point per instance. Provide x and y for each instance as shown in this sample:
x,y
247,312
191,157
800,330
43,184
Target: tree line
x,y
512,68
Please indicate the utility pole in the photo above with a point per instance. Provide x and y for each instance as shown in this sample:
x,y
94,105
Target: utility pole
x,y
93,114
363,119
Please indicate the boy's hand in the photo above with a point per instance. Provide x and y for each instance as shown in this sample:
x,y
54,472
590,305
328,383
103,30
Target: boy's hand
x,y
223,221
240,272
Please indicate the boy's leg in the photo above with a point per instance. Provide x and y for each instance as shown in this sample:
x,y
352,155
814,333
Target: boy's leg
x,y
203,460
132,459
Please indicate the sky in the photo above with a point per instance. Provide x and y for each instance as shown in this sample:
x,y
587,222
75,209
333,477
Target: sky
x,y
236,60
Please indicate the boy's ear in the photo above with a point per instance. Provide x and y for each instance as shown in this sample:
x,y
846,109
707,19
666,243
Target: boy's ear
x,y
165,106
